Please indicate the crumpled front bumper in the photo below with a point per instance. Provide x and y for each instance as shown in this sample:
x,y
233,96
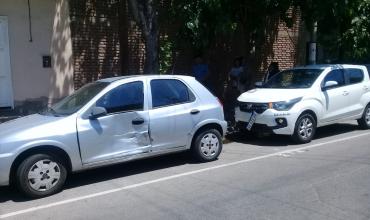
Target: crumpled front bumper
x,y
266,121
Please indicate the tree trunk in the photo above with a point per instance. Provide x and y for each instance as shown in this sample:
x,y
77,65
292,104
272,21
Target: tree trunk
x,y
151,65
145,15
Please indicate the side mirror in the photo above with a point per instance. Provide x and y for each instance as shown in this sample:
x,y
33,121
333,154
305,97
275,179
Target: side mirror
x,y
329,84
97,112
258,84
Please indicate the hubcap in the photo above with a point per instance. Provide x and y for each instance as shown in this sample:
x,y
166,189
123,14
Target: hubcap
x,y
367,116
209,144
306,128
44,175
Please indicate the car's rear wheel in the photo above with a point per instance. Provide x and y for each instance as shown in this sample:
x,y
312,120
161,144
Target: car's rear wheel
x,y
207,145
41,175
364,121
305,129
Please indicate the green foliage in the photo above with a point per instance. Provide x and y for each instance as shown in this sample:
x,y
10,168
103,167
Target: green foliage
x,y
165,54
202,21
359,32
343,27
206,21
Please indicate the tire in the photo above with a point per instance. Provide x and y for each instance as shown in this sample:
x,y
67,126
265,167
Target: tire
x,y
207,145
364,121
305,129
41,175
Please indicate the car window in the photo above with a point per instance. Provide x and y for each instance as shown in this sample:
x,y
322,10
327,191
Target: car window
x,y
354,75
126,97
169,92
337,76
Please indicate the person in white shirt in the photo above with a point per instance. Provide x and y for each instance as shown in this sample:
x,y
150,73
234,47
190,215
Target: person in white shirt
x,y
236,73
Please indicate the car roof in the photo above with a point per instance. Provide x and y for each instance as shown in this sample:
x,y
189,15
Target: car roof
x,y
118,78
324,66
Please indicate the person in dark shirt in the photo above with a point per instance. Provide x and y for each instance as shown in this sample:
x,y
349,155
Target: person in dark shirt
x,y
271,71
200,70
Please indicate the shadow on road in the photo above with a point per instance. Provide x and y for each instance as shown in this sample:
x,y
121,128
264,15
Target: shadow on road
x,y
109,173
283,141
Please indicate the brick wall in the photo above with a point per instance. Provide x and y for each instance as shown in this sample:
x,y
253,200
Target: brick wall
x,y
136,48
95,29
288,47
283,45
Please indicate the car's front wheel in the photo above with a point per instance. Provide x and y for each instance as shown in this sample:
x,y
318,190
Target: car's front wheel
x,y
41,175
305,129
207,145
364,121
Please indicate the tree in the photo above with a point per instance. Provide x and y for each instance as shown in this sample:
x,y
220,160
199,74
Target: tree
x,y
258,21
145,14
210,23
343,27
359,32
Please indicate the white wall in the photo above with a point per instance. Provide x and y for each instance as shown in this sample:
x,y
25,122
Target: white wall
x,y
51,36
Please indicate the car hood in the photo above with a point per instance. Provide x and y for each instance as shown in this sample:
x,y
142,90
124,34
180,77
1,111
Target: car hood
x,y
271,95
30,123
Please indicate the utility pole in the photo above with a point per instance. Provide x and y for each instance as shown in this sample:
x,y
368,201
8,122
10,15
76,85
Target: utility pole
x,y
312,46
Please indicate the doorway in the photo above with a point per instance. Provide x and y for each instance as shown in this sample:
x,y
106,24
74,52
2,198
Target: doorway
x,y
6,88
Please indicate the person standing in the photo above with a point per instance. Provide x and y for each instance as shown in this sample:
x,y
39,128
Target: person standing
x,y
200,70
234,88
237,75
271,71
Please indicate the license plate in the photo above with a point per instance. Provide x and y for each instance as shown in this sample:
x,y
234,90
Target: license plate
x,y
252,119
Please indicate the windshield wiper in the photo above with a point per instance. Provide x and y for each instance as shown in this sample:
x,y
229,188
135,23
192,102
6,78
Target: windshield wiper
x,y
266,86
52,111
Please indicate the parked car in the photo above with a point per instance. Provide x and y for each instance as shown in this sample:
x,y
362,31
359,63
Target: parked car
x,y
297,101
106,122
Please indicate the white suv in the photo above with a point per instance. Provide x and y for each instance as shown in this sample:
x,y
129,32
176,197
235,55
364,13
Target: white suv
x,y
297,101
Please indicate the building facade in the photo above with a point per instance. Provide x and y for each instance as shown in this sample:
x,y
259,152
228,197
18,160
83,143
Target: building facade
x,y
36,51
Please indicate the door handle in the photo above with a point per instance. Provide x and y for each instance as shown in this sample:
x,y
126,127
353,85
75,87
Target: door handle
x,y
345,93
366,88
194,111
138,121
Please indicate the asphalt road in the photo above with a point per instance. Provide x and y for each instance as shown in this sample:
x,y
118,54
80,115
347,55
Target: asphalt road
x,y
268,178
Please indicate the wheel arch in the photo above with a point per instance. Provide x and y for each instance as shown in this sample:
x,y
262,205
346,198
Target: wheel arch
x,y
44,149
212,125
366,104
296,135
311,112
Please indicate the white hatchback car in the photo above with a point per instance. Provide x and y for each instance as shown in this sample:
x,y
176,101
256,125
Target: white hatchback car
x,y
297,101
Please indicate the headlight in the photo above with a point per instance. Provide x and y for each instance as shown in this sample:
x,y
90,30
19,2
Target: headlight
x,y
285,105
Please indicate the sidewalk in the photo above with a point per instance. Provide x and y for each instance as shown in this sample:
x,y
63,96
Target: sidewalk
x,y
7,118
28,107
8,114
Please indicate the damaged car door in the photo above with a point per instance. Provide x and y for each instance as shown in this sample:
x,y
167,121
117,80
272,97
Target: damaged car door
x,y
121,128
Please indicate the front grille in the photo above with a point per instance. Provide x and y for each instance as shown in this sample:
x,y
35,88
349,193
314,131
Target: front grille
x,y
253,107
255,128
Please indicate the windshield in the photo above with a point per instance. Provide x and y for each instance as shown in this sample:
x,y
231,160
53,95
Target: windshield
x,y
293,79
77,100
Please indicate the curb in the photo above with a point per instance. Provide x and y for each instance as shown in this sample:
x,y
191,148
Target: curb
x,y
8,118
